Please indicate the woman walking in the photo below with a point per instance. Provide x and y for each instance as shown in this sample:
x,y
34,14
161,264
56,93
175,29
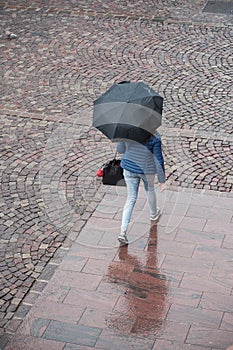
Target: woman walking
x,y
141,161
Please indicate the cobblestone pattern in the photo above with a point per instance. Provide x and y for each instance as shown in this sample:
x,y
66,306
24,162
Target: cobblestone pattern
x,y
52,68
46,184
62,59
200,162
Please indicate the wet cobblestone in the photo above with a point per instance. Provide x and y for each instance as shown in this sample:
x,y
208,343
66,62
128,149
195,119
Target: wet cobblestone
x,y
65,56
202,161
33,220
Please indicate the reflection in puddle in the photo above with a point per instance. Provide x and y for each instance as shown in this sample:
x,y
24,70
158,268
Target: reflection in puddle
x,y
142,307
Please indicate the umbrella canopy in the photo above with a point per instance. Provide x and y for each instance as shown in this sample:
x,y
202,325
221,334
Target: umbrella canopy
x,y
128,111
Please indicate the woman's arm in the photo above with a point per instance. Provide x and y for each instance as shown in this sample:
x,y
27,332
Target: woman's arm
x,y
159,160
121,147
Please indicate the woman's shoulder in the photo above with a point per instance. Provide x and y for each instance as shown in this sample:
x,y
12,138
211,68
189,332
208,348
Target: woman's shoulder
x,y
157,136
154,139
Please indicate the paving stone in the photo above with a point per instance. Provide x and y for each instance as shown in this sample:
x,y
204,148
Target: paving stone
x,y
48,272
109,339
207,337
4,338
22,311
30,343
77,334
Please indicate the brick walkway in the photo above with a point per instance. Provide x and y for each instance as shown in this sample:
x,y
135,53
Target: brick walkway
x,y
170,289
59,264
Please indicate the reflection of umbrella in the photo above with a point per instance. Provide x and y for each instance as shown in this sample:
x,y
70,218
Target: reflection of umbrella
x,y
128,111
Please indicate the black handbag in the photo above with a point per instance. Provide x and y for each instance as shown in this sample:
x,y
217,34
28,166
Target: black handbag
x,y
113,173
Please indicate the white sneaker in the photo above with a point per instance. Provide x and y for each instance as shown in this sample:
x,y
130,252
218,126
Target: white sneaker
x,y
123,239
156,216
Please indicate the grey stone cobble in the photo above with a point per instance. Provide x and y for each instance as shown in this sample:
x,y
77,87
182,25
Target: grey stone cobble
x,y
65,56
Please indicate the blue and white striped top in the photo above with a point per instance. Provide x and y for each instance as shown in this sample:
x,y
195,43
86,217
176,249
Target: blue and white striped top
x,y
143,159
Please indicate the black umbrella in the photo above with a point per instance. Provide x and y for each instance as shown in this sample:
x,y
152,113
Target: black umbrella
x,y
128,111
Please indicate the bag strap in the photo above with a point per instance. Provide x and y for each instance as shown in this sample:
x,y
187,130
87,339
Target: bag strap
x,y
115,154
113,159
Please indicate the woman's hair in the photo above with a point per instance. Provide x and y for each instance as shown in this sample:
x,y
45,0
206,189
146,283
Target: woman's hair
x,y
150,135
147,138
124,82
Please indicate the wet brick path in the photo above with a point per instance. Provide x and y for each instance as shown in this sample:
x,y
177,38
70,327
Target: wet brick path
x,y
64,56
170,289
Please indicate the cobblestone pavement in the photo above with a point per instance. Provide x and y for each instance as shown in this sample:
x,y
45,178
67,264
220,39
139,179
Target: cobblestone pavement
x,y
65,56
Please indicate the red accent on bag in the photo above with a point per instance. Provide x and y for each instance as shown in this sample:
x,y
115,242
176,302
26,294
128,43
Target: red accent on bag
x,y
100,173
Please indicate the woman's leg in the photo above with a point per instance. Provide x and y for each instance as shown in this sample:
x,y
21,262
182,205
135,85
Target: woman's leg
x,y
150,193
132,182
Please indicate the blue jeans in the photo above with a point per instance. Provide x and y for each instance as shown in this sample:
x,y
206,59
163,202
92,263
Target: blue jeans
x,y
132,182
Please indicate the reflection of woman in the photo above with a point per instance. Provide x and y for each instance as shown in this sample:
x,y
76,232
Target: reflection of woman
x,y
141,161
143,305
